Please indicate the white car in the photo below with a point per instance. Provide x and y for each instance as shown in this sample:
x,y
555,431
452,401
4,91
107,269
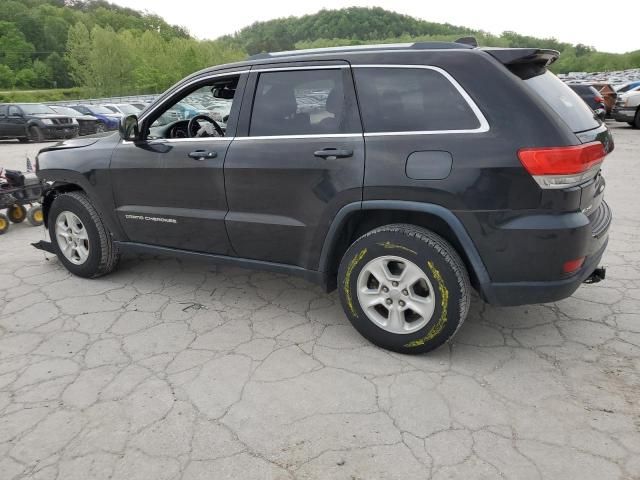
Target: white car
x,y
123,109
627,108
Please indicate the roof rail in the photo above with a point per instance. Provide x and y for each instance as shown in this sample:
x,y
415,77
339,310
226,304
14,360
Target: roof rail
x,y
364,48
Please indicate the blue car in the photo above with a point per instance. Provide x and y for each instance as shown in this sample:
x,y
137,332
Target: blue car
x,y
107,120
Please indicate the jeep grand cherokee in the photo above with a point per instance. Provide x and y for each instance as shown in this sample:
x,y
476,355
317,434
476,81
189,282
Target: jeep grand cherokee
x,y
403,174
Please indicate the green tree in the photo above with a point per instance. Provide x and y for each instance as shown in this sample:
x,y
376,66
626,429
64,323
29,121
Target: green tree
x,y
7,77
15,51
44,77
78,54
26,78
59,70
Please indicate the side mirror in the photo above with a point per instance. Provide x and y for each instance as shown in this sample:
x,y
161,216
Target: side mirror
x,y
129,128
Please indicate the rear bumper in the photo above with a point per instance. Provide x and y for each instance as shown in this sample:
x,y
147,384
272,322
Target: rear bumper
x,y
624,114
526,293
525,257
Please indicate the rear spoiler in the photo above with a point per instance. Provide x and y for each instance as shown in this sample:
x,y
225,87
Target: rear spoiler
x,y
524,62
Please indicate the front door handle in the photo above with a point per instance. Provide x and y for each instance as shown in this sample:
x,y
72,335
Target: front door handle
x,y
203,154
333,153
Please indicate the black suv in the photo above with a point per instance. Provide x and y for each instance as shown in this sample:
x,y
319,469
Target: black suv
x,y
402,174
35,122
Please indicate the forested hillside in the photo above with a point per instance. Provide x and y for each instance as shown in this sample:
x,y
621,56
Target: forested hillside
x,y
104,49
95,44
355,26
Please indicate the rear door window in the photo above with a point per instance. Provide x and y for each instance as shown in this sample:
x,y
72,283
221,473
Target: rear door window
x,y
411,100
303,102
564,101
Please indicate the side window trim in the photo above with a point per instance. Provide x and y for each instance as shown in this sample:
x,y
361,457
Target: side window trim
x,y
483,124
177,92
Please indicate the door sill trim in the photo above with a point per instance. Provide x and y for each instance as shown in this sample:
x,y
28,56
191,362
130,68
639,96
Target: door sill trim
x,y
312,276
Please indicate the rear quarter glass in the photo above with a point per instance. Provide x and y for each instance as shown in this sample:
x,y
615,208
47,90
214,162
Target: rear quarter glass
x,y
564,101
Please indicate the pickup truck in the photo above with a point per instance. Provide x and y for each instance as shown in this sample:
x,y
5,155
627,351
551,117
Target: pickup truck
x,y
627,108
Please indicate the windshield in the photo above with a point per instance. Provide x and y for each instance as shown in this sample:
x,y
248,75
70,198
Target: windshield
x,y
564,101
99,109
66,111
128,109
35,109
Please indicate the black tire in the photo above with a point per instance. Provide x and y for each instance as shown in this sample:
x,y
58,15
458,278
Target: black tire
x,y
35,134
17,213
101,128
437,259
103,254
4,224
23,139
35,216
636,120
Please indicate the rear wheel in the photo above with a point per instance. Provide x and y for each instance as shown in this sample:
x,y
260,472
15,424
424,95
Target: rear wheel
x,y
23,139
35,134
80,239
4,223
35,216
100,128
636,120
404,288
17,213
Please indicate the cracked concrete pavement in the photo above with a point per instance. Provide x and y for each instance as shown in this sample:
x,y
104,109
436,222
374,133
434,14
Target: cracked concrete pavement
x,y
171,369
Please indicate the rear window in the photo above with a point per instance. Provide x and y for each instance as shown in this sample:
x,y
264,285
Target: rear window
x,y
410,100
564,101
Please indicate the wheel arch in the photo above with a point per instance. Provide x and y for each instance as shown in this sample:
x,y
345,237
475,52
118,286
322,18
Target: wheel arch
x,y
52,192
356,219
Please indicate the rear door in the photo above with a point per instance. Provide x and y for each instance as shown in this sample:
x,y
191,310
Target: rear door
x,y
297,159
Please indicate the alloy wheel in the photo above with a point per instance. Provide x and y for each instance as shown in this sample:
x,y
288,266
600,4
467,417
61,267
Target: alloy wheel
x,y
396,294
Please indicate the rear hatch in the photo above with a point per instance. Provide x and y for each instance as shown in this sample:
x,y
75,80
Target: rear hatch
x,y
530,65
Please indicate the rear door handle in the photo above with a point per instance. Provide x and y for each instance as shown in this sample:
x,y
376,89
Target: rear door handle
x,y
203,154
333,153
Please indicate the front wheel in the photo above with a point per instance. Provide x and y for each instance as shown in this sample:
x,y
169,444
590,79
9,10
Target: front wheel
x,y
35,134
636,120
100,128
80,239
404,288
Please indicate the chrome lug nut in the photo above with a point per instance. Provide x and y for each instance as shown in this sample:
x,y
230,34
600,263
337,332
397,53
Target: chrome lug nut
x,y
395,284
405,292
385,289
401,303
388,301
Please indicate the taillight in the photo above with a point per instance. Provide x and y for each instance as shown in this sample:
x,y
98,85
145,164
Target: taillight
x,y
562,167
599,99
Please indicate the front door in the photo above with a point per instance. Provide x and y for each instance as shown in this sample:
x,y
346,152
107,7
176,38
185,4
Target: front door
x,y
168,188
298,158
16,125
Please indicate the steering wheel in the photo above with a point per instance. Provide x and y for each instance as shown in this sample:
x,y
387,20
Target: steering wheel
x,y
193,127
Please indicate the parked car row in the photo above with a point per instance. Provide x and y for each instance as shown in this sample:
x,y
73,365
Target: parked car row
x,y
37,122
622,103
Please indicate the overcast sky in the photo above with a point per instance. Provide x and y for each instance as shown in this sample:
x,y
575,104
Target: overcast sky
x,y
609,26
